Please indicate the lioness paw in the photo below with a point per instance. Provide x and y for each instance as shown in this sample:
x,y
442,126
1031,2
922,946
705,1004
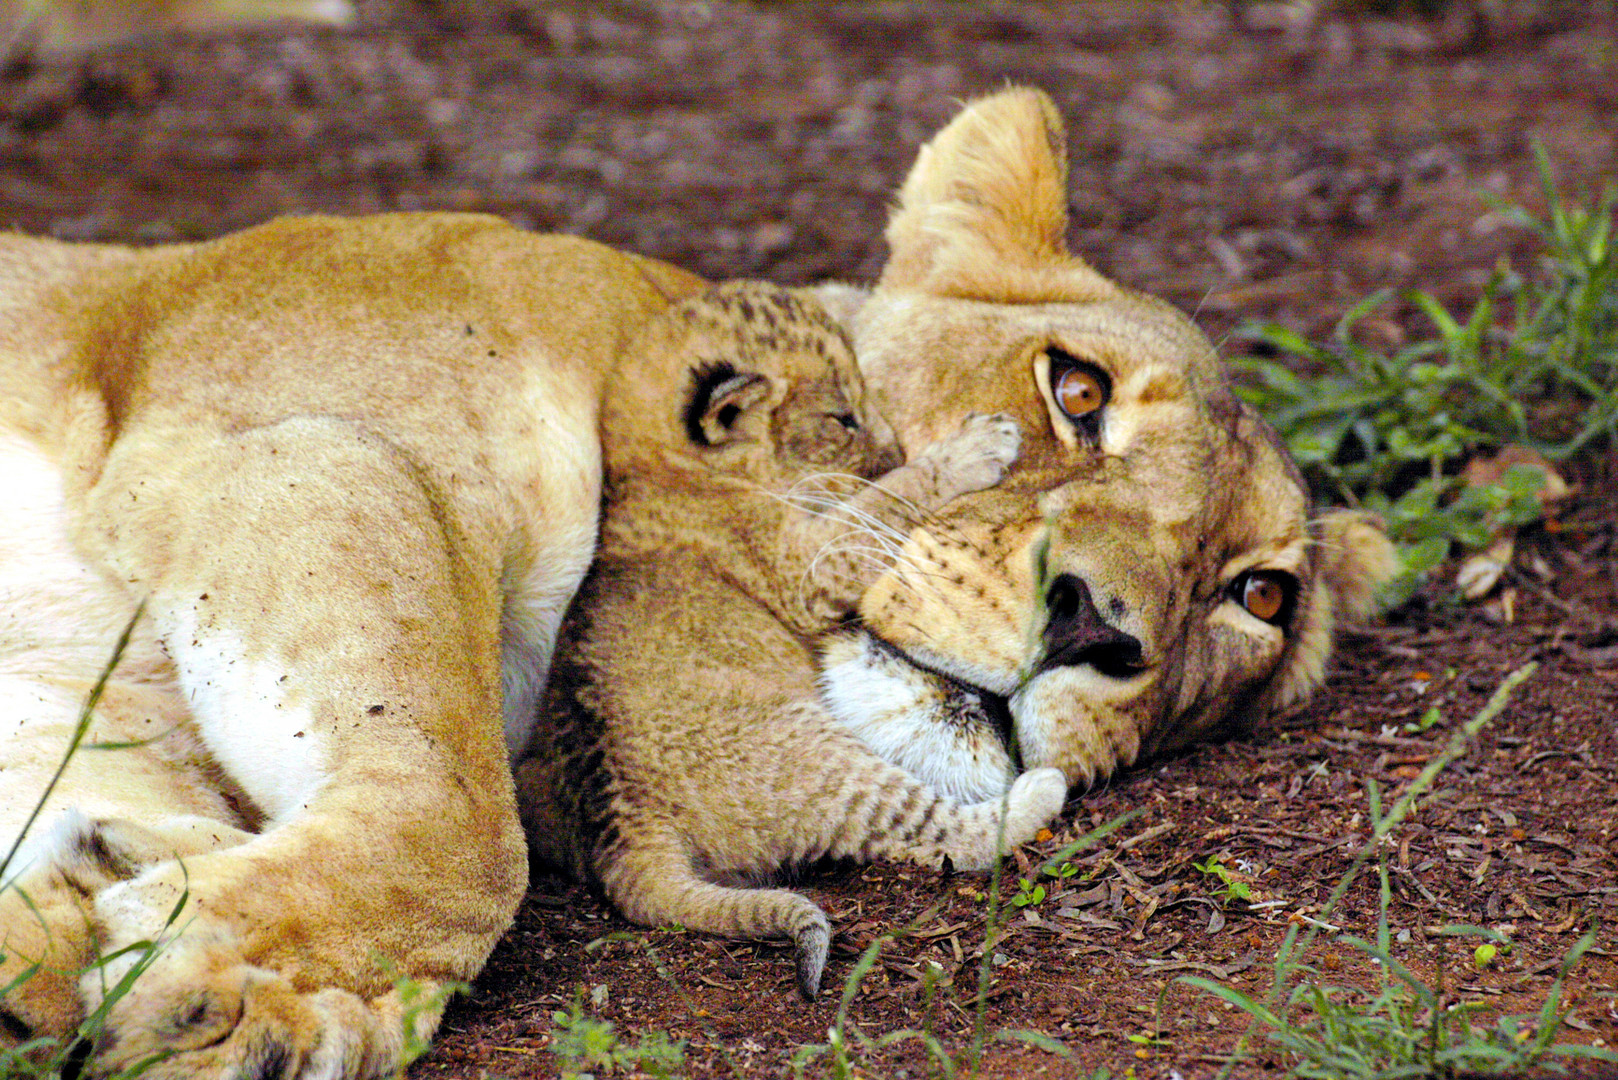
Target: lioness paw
x,y
975,457
193,1008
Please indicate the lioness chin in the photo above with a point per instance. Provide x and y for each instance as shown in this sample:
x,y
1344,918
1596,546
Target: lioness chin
x,y
352,468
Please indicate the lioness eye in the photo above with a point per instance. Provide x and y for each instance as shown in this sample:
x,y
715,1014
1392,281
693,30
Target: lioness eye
x,y
1079,388
1266,594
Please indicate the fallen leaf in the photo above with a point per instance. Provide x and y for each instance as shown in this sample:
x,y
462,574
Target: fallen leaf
x,y
1480,573
1483,471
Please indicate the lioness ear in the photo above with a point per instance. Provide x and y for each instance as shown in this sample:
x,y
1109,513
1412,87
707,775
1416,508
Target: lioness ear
x,y
995,180
841,301
721,396
1355,560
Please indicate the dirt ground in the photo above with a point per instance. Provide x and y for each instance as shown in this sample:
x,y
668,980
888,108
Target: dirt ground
x,y
1245,160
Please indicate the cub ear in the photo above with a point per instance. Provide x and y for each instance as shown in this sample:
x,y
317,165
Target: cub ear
x,y
993,180
721,396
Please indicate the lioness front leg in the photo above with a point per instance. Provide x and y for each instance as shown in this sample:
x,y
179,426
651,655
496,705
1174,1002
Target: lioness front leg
x,y
332,611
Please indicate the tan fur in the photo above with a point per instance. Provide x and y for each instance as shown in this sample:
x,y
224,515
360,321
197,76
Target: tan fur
x,y
1157,514
354,468
347,464
681,749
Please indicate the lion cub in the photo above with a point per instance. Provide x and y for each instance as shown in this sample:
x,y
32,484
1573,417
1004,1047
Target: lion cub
x,y
681,750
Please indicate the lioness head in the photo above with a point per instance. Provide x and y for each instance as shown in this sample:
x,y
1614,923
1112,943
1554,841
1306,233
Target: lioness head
x,y
1150,568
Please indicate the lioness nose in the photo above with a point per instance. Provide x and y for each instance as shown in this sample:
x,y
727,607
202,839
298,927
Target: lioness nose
x,y
1075,633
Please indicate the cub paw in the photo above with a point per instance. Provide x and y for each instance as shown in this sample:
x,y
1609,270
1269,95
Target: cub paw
x,y
1035,799
977,456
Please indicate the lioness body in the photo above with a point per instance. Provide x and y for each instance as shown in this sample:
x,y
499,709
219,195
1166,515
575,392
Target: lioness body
x,y
681,747
353,468
345,464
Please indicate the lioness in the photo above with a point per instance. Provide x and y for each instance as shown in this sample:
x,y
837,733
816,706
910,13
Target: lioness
x,y
681,750
353,467
1147,572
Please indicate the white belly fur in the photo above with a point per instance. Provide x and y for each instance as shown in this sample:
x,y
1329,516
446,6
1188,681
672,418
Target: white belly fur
x,y
547,559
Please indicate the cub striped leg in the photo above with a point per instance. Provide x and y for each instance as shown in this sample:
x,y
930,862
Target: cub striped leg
x,y
824,794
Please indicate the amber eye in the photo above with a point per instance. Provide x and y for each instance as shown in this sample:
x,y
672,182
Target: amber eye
x,y
1266,594
1080,389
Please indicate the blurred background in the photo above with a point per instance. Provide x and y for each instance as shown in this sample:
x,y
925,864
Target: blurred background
x,y
1240,157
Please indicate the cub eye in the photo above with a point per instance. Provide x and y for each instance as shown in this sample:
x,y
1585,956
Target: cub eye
x,y
1079,388
1267,595
847,420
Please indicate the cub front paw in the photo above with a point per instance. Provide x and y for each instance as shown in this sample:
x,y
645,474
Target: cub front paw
x,y
1035,799
977,456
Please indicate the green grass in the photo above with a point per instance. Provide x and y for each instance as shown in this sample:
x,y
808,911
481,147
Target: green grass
x,y
846,1051
1231,888
587,1047
1533,363
1404,1026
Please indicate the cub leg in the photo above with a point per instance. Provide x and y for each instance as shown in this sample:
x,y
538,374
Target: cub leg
x,y
811,791
332,612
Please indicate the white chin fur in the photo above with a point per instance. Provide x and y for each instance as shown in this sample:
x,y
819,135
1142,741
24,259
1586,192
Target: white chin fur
x,y
913,720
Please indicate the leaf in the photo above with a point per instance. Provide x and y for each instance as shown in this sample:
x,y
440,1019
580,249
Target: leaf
x,y
1034,1038
1236,998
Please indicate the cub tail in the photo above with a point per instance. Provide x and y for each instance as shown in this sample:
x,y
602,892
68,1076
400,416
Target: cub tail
x,y
661,886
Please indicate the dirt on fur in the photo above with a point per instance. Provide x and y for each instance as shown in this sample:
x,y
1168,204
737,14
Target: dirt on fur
x,y
1246,160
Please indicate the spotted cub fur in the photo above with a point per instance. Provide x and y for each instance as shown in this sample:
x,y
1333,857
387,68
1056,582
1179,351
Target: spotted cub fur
x,y
681,750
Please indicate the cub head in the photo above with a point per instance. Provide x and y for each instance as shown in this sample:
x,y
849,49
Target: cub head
x,y
1150,569
768,390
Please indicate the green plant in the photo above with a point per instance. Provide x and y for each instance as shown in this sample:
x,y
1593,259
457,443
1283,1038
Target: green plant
x,y
1231,887
420,1006
585,1046
1028,894
1534,363
1062,872
1403,1027
1031,892
1428,720
846,1045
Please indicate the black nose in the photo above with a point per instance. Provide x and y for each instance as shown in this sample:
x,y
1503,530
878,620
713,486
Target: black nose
x,y
1075,633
